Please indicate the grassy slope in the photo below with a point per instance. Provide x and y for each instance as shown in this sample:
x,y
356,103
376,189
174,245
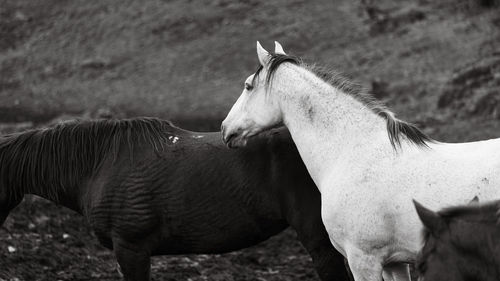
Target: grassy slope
x,y
187,59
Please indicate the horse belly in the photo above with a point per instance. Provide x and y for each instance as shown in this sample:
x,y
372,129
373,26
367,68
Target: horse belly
x,y
215,229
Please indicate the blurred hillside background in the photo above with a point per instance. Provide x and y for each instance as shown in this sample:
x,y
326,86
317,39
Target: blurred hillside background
x,y
435,63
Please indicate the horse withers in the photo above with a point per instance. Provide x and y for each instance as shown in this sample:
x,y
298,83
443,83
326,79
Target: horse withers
x,y
149,188
461,243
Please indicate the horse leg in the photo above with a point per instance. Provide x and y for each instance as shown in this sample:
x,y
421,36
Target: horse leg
x,y
329,263
3,217
396,272
134,260
364,267
6,207
119,270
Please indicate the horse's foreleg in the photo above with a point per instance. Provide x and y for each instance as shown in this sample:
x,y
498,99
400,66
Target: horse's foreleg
x,y
364,267
6,207
119,270
3,217
397,272
134,260
329,263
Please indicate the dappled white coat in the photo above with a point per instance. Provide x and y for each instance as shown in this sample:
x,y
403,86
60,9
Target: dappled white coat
x,y
367,186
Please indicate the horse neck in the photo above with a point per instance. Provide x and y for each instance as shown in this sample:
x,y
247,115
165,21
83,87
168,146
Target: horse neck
x,y
58,192
68,196
324,122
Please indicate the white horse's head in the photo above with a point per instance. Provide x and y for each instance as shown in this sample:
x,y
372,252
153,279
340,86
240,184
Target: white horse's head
x,y
257,109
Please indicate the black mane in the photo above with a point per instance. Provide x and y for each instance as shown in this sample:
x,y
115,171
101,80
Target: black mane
x,y
59,157
396,128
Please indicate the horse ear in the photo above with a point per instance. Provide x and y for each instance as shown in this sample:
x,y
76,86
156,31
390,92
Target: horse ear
x,y
431,220
278,49
264,56
474,200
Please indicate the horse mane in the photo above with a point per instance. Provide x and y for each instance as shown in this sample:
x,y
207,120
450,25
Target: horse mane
x,y
473,212
396,129
60,157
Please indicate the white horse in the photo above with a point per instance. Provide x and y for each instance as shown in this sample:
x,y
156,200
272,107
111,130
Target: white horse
x,y
367,164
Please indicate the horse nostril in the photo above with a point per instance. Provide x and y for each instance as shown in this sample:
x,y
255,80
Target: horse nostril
x,y
229,138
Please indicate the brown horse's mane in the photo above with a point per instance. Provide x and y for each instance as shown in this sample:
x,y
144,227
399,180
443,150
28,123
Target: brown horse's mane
x,y
60,157
396,129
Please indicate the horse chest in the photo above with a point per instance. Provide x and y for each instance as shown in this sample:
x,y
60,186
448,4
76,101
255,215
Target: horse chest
x,y
373,210
364,205
350,215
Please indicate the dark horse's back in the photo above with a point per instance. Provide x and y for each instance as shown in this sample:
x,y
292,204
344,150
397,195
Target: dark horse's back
x,y
201,196
149,188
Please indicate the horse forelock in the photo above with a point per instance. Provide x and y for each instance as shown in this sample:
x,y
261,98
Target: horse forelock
x,y
60,157
396,129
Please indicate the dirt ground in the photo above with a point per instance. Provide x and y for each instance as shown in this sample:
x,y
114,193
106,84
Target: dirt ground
x,y
47,242
434,63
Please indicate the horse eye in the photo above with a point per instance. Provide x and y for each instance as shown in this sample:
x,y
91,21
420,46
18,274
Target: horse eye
x,y
248,87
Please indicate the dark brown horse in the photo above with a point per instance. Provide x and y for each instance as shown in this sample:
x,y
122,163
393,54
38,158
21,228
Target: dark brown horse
x,y
461,243
149,188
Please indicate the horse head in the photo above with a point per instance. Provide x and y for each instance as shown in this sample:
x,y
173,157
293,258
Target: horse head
x,y
257,109
459,242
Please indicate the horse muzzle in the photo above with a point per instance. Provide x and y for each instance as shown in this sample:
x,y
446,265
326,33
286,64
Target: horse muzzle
x,y
233,138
